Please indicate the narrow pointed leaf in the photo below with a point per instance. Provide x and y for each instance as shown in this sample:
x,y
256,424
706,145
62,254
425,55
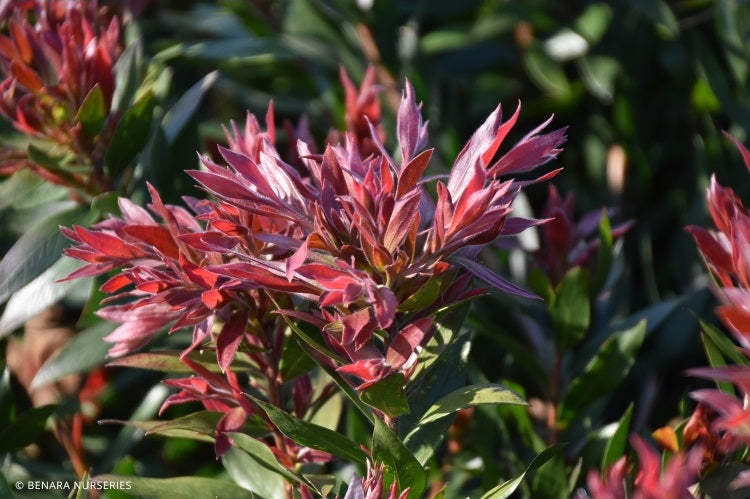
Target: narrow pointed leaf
x,y
183,110
183,487
570,309
602,374
312,435
85,351
262,454
130,136
507,488
35,251
92,112
470,396
493,279
251,475
616,445
399,461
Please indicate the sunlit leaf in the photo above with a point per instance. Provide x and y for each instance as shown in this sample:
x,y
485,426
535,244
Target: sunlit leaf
x,y
312,435
183,487
36,250
92,112
42,292
178,116
471,396
387,395
252,475
616,445
399,461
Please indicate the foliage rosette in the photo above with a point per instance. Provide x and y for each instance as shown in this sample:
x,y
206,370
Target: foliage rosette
x,y
356,236
347,243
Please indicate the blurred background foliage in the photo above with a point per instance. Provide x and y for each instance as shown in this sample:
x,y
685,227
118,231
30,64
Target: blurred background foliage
x,y
645,87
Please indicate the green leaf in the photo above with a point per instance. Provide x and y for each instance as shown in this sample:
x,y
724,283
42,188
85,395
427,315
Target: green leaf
x,y
725,345
615,448
25,429
446,374
36,250
18,186
5,487
388,395
166,361
92,113
470,396
611,364
131,135
294,360
541,285
178,116
546,73
570,310
86,350
262,454
41,157
42,292
507,488
716,359
183,487
126,76
593,23
312,435
251,475
424,296
399,461
199,425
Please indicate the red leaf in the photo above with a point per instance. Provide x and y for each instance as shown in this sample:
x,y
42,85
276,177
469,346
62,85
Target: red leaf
x,y
405,214
530,152
296,260
412,172
714,253
155,235
479,143
231,422
214,298
405,342
21,42
230,338
26,76
358,328
109,245
117,282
